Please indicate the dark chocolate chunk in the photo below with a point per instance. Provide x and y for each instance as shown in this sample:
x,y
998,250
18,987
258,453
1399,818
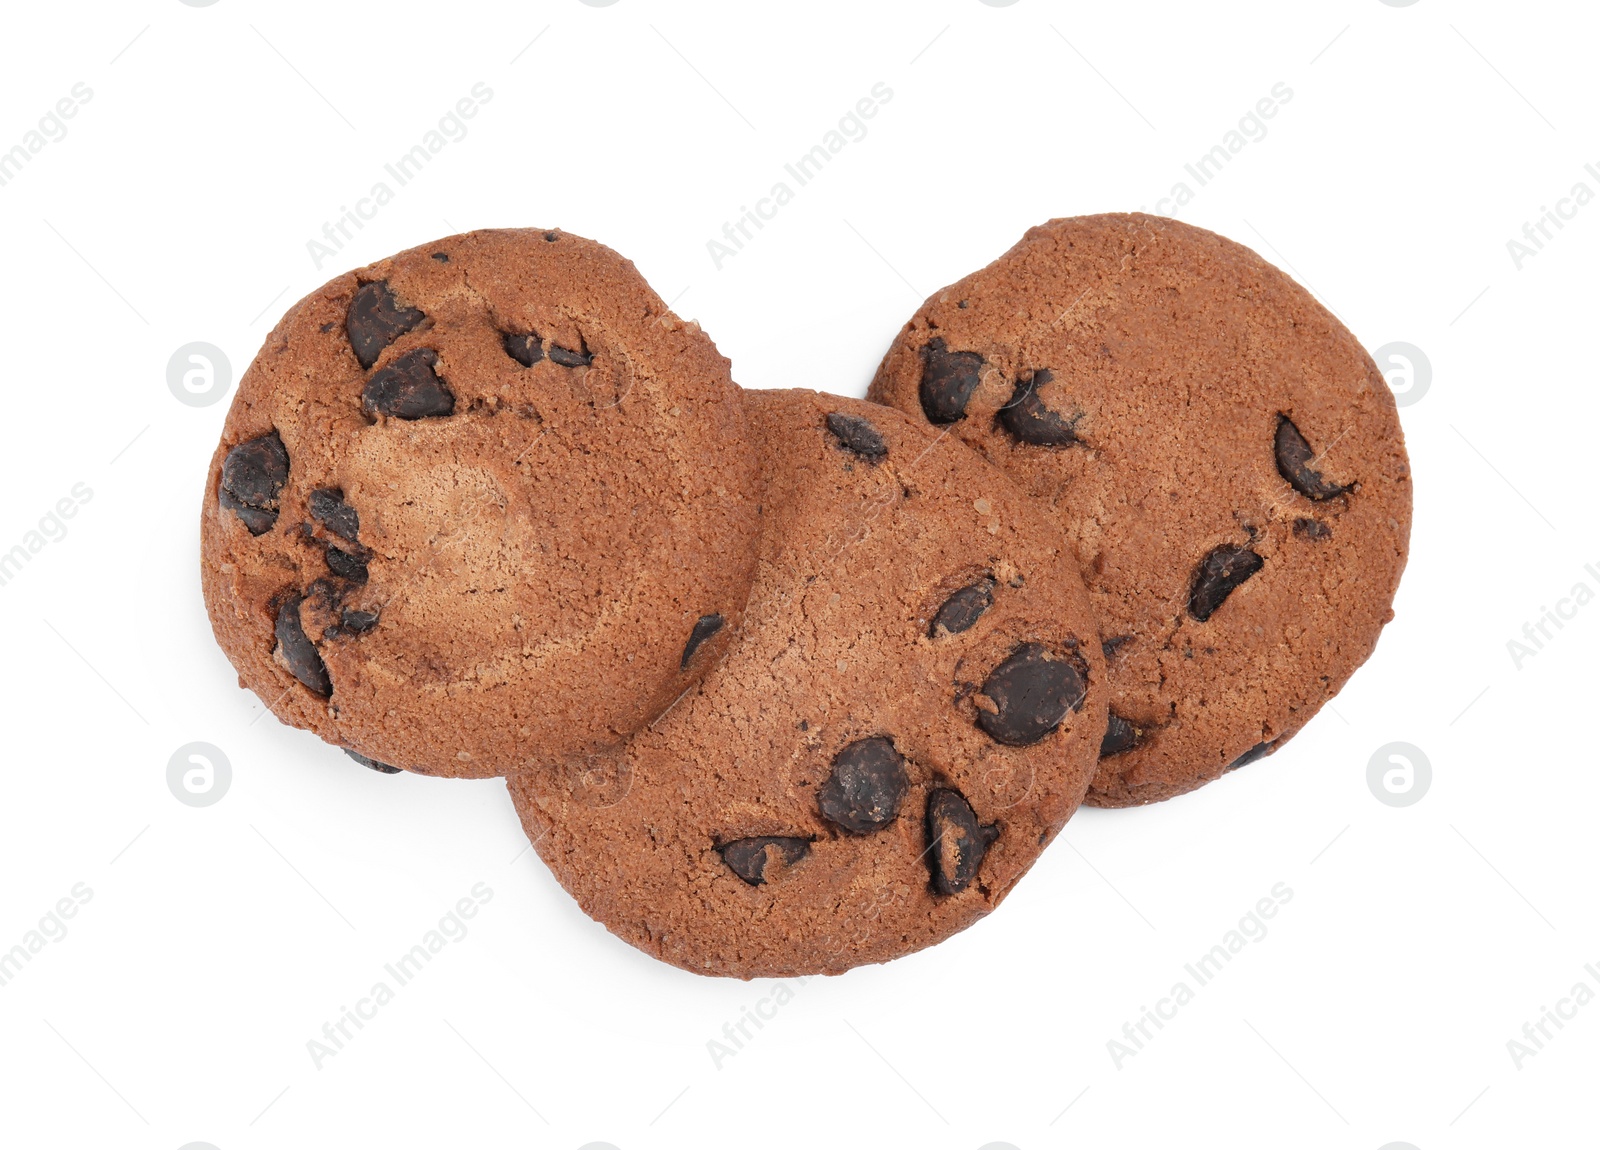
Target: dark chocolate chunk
x,y
1028,419
956,843
1260,750
256,469
1030,694
857,435
1295,458
358,621
324,593
749,858
864,791
1109,647
255,519
408,388
1313,529
329,508
1218,574
441,257
948,380
550,237
375,320
298,651
963,609
253,473
1120,736
371,764
525,349
567,358
705,627
346,565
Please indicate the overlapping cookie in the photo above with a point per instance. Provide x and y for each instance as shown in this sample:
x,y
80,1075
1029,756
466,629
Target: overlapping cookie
x,y
911,711
488,507
1223,455
480,506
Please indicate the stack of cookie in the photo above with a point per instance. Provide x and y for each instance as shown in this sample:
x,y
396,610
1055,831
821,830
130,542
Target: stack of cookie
x,y
783,682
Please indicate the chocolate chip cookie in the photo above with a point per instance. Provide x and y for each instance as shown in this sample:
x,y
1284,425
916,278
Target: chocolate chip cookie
x,y
910,712
1223,455
480,506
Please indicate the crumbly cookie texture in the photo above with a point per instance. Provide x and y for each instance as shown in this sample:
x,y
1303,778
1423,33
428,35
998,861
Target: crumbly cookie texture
x,y
480,506
1221,452
910,712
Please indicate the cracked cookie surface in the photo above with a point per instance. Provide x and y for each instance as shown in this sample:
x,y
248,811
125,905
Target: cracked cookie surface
x,y
477,506
1223,455
910,712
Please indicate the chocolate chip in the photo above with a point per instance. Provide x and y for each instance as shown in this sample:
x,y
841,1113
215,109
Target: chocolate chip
x,y
358,621
408,388
371,764
1109,647
549,237
298,651
346,565
375,320
705,627
1313,529
441,257
1258,751
253,473
324,594
1295,458
525,349
1030,421
1030,694
956,843
963,609
1216,577
329,508
749,858
1120,736
568,358
864,791
857,435
256,521
948,380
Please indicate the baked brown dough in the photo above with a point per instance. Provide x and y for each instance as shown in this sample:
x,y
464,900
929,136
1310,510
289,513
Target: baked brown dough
x,y
910,712
1224,457
480,506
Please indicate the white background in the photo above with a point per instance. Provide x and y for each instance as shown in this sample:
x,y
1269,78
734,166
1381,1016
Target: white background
x,y
219,940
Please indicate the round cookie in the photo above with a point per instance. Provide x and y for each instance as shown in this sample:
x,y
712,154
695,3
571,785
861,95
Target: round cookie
x,y
909,713
480,506
1223,455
